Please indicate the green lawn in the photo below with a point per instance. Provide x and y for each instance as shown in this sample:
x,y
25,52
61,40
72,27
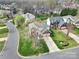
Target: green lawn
x,y
58,37
1,45
25,44
2,17
42,17
1,25
76,31
3,32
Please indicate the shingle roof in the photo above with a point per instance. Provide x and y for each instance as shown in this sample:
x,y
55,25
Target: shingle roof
x,y
57,19
39,27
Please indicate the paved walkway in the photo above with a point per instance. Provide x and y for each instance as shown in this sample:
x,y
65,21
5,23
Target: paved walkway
x,y
51,45
3,39
73,36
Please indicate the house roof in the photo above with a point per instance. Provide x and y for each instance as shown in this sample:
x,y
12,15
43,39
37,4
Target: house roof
x,y
58,19
69,18
40,27
29,16
54,19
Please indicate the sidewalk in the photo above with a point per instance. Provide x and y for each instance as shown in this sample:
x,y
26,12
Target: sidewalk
x,y
73,36
3,39
51,45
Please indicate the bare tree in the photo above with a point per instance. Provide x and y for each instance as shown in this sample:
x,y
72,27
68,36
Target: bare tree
x,y
69,26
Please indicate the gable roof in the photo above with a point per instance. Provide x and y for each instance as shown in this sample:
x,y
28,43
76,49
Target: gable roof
x,y
40,27
58,19
54,19
29,16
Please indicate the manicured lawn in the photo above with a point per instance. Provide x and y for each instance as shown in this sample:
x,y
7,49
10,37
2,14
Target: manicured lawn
x,y
1,45
3,32
25,44
76,31
2,17
1,25
60,37
42,17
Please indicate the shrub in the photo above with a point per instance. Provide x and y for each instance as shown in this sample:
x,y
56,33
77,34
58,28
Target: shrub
x,y
68,11
19,20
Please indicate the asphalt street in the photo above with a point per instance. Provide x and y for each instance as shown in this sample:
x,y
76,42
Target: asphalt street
x,y
10,50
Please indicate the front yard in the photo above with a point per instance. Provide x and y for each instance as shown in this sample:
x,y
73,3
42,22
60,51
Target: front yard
x,y
26,45
1,45
1,24
61,40
76,31
42,17
3,33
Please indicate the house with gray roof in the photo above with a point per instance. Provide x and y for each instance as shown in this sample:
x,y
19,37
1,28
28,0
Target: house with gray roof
x,y
61,21
57,20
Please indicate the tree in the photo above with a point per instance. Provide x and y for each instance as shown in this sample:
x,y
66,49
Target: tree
x,y
25,10
19,20
69,11
69,27
74,12
14,10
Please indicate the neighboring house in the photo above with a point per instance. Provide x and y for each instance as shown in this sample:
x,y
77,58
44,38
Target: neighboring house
x,y
57,20
61,21
69,4
20,11
29,17
57,10
77,5
69,18
7,9
37,30
77,23
5,13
